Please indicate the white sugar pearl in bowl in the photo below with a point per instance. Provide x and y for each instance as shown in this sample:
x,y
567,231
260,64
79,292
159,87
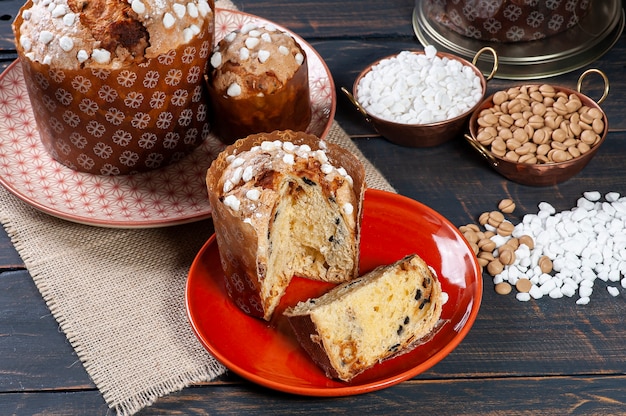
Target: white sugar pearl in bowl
x,y
420,98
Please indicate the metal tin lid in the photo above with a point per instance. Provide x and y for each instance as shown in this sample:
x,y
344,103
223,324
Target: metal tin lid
x,y
555,55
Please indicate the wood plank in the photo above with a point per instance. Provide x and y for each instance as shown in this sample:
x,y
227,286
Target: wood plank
x,y
337,19
34,353
523,396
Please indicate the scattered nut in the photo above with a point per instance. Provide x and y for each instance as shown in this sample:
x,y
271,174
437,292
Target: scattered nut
x,y
503,288
506,256
545,264
523,285
495,267
528,241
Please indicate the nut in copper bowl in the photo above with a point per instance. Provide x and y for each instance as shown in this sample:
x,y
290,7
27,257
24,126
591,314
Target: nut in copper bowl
x,y
539,134
420,98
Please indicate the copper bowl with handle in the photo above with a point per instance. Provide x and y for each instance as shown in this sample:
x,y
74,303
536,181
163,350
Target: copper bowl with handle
x,y
423,135
541,174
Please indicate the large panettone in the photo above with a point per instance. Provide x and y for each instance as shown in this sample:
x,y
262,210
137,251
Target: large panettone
x,y
117,87
284,204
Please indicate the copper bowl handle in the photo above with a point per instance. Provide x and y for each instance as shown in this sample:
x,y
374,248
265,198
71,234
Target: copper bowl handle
x,y
604,78
356,104
482,150
495,60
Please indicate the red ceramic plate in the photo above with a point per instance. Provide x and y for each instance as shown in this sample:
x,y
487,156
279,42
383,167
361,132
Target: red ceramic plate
x,y
268,353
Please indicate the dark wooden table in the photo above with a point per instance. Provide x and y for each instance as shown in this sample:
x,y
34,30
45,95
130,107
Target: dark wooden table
x,y
541,357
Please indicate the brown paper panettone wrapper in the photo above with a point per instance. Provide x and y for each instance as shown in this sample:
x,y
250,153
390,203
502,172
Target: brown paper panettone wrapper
x,y
238,241
288,108
122,121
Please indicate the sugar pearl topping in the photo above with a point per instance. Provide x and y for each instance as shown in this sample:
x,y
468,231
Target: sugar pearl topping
x,y
51,32
253,45
415,88
240,191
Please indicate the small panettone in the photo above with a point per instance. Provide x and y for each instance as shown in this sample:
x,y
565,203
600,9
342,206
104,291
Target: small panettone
x,y
284,204
380,315
117,87
259,83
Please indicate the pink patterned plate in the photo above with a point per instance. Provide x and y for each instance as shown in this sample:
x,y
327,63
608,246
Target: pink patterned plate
x,y
175,194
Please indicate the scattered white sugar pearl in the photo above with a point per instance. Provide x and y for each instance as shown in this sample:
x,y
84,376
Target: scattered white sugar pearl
x,y
582,301
203,7
232,202
299,58
192,10
66,43
82,56
216,59
168,20
592,195
59,11
228,186
69,19
289,159
45,37
251,43
412,88
289,147
233,90
348,208
253,194
248,173
247,28
263,55
179,10
101,56
283,50
522,296
612,196
190,32
586,245
26,43
138,6
255,33
266,37
244,53
430,51
230,37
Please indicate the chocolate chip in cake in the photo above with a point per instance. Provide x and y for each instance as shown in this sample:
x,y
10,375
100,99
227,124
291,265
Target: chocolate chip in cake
x,y
308,181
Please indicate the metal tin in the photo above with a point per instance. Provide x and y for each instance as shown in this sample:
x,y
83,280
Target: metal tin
x,y
558,54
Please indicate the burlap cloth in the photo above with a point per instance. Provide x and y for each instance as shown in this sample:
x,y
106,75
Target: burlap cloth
x,y
119,295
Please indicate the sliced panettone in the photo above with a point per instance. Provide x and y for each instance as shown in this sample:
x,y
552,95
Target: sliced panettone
x,y
370,319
